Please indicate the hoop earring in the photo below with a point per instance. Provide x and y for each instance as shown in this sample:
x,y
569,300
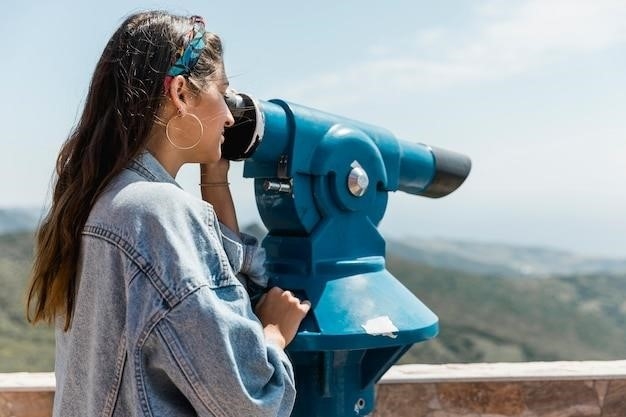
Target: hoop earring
x,y
180,115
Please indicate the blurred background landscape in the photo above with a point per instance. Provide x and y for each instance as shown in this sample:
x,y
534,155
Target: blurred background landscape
x,y
526,261
495,302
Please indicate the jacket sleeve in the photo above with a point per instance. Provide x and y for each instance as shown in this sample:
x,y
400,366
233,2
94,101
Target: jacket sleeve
x,y
212,348
247,259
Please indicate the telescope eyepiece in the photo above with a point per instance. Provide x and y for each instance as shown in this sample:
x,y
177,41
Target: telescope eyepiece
x,y
235,103
244,136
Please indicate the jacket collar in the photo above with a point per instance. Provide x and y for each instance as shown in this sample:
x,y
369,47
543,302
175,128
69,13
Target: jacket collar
x,y
146,165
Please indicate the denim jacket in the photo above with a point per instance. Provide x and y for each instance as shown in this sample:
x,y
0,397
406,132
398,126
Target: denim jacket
x,y
162,323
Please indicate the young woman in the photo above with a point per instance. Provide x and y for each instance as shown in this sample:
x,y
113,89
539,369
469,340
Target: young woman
x,y
147,284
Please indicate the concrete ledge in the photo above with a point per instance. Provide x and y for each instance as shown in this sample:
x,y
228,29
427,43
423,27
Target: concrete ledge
x,y
27,381
522,371
529,389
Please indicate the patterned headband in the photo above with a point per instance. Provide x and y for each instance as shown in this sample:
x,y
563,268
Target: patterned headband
x,y
188,52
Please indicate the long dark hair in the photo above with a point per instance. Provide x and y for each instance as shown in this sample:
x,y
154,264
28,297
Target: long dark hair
x,y
122,104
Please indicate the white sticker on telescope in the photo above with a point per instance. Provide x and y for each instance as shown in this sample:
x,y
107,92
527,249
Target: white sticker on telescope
x,y
381,326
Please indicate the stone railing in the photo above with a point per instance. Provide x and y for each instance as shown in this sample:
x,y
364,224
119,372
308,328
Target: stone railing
x,y
528,389
531,389
26,394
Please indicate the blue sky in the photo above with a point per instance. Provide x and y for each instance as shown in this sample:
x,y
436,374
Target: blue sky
x,y
533,91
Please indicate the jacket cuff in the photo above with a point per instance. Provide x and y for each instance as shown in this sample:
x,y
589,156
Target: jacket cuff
x,y
251,256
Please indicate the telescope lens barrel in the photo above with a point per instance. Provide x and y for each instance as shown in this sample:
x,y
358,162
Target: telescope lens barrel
x,y
452,169
448,170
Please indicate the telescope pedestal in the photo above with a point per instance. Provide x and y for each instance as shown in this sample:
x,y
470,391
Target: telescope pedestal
x,y
361,321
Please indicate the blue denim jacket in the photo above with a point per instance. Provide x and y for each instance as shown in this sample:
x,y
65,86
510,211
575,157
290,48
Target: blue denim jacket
x,y
162,324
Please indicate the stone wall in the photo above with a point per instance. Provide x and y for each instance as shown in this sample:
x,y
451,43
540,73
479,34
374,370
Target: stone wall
x,y
26,394
539,389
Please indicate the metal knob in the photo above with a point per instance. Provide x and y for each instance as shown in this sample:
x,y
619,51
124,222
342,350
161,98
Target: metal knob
x,y
358,180
280,186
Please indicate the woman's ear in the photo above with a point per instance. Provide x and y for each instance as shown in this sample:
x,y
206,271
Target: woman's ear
x,y
179,93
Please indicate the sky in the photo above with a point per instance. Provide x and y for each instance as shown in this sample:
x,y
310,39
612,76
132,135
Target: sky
x,y
533,91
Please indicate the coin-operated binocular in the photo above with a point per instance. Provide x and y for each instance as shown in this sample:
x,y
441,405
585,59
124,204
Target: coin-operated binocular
x,y
321,184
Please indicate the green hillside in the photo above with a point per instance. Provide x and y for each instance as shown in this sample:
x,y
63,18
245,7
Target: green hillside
x,y
22,347
482,318
489,319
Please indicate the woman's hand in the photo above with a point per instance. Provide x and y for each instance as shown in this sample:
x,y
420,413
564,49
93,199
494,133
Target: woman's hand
x,y
281,313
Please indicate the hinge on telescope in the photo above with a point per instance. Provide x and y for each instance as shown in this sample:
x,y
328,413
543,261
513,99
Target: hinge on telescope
x,y
284,184
281,171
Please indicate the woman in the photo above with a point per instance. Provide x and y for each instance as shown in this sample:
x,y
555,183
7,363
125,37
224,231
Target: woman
x,y
146,283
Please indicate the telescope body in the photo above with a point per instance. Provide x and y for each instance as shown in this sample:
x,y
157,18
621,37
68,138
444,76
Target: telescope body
x,y
321,185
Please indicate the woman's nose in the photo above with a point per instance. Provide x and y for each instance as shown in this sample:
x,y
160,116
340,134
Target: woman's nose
x,y
230,120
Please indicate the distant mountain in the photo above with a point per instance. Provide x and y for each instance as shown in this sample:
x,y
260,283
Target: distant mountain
x,y
482,318
467,256
493,259
18,219
486,319
501,259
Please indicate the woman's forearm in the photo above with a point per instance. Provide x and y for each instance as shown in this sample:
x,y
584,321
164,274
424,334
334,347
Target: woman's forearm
x,y
215,190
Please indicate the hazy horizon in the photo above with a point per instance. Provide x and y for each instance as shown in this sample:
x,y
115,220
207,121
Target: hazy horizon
x,y
533,91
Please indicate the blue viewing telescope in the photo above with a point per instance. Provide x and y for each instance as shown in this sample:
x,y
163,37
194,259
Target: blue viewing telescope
x,y
321,184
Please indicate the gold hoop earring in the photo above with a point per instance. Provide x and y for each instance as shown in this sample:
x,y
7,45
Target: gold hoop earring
x,y
180,115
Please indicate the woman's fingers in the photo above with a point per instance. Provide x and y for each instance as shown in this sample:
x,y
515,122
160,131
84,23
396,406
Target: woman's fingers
x,y
281,311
